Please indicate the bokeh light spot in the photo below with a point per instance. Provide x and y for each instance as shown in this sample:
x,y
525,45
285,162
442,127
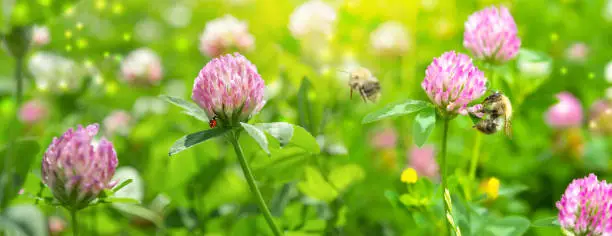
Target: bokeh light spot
x,y
79,26
111,88
182,44
69,11
554,37
45,3
100,4
117,8
563,70
82,43
68,34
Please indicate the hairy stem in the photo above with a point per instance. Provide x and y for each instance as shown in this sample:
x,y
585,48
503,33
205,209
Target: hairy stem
x,y
444,166
75,225
18,80
474,163
251,181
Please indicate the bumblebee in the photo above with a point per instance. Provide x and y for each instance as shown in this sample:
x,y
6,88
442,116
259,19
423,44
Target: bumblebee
x,y
368,86
497,111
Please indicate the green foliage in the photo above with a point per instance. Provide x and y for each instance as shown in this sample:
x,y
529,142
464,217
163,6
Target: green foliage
x,y
546,222
23,220
310,190
190,140
188,107
17,159
423,125
396,109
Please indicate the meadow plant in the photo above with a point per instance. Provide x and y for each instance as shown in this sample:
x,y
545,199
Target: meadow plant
x,y
567,113
142,67
586,207
225,34
78,171
491,35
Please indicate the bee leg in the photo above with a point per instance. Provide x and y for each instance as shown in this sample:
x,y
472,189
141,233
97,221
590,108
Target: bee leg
x,y
363,94
351,96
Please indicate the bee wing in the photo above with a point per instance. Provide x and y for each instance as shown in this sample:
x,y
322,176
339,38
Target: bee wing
x,y
508,128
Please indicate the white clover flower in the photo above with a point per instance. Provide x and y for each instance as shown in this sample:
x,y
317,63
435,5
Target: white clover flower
x,y
314,18
40,35
142,67
607,11
390,38
134,190
55,73
178,16
224,34
608,72
534,69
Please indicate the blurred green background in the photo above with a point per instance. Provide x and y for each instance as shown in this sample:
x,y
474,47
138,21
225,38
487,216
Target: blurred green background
x,y
202,192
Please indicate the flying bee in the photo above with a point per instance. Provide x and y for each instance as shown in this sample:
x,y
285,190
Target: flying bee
x,y
497,111
362,80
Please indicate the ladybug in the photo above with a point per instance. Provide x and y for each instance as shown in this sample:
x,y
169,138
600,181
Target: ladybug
x,y
213,122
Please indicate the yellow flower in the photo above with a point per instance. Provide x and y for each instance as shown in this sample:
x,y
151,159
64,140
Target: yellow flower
x,y
490,187
409,176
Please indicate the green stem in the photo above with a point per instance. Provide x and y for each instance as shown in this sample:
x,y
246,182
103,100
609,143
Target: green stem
x,y
75,225
444,167
251,181
399,71
474,163
18,80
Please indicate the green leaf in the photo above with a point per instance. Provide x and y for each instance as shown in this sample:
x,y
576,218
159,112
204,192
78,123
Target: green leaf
x,y
190,140
392,197
204,179
552,221
282,131
20,156
285,165
304,140
122,184
123,200
413,201
423,124
509,226
142,212
257,135
5,15
343,176
25,219
596,156
397,109
512,190
188,107
533,56
304,107
316,187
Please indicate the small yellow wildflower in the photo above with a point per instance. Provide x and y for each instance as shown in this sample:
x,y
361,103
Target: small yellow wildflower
x,y
409,176
490,187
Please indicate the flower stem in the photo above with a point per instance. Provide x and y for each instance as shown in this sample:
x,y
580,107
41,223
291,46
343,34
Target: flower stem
x,y
251,181
18,79
474,162
75,225
444,166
